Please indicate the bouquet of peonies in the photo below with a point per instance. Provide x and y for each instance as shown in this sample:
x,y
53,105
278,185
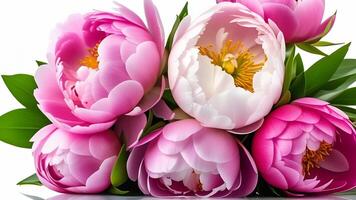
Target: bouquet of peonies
x,y
224,108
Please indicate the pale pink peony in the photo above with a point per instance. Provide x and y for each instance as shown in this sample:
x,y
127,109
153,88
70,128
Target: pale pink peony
x,y
186,159
307,146
73,163
299,20
226,68
101,66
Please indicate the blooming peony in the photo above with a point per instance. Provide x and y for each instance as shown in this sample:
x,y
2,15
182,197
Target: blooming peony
x,y
73,163
101,66
226,69
307,147
186,159
299,21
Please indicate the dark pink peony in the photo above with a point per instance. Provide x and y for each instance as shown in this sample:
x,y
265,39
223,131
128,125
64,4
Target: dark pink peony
x,y
299,20
307,147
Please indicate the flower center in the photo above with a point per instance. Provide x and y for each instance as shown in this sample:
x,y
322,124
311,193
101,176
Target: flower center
x,y
91,60
312,159
235,60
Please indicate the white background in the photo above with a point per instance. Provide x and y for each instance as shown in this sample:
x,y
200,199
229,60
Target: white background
x,y
25,26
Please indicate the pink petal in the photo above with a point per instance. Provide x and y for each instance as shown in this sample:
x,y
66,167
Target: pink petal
x,y
150,99
109,143
181,130
163,111
157,162
210,181
306,24
311,101
248,173
121,99
129,15
145,71
155,25
100,180
169,147
93,116
324,28
248,129
81,167
131,128
287,113
336,162
226,152
134,161
283,16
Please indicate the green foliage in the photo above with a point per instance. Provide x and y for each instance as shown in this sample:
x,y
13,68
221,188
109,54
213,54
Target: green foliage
x,y
318,75
21,87
298,85
346,97
31,180
179,19
18,126
290,72
40,63
311,49
325,44
119,173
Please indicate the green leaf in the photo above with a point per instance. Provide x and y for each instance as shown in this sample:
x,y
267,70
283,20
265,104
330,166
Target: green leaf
x,y
152,128
325,44
168,98
298,85
321,72
21,87
117,191
334,88
347,68
347,97
311,49
299,64
341,80
350,192
179,19
31,180
289,75
40,63
18,126
285,99
119,173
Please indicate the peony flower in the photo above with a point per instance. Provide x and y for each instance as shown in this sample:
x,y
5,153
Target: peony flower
x,y
73,163
226,69
101,66
179,160
307,147
293,17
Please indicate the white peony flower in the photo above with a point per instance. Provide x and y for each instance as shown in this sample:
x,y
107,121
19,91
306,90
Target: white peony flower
x,y
226,69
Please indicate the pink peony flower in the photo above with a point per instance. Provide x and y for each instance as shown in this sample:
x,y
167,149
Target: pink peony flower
x,y
300,21
101,66
307,147
186,159
73,163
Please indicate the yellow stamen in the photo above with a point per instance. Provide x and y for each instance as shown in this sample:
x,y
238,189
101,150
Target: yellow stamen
x,y
235,60
91,60
312,159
